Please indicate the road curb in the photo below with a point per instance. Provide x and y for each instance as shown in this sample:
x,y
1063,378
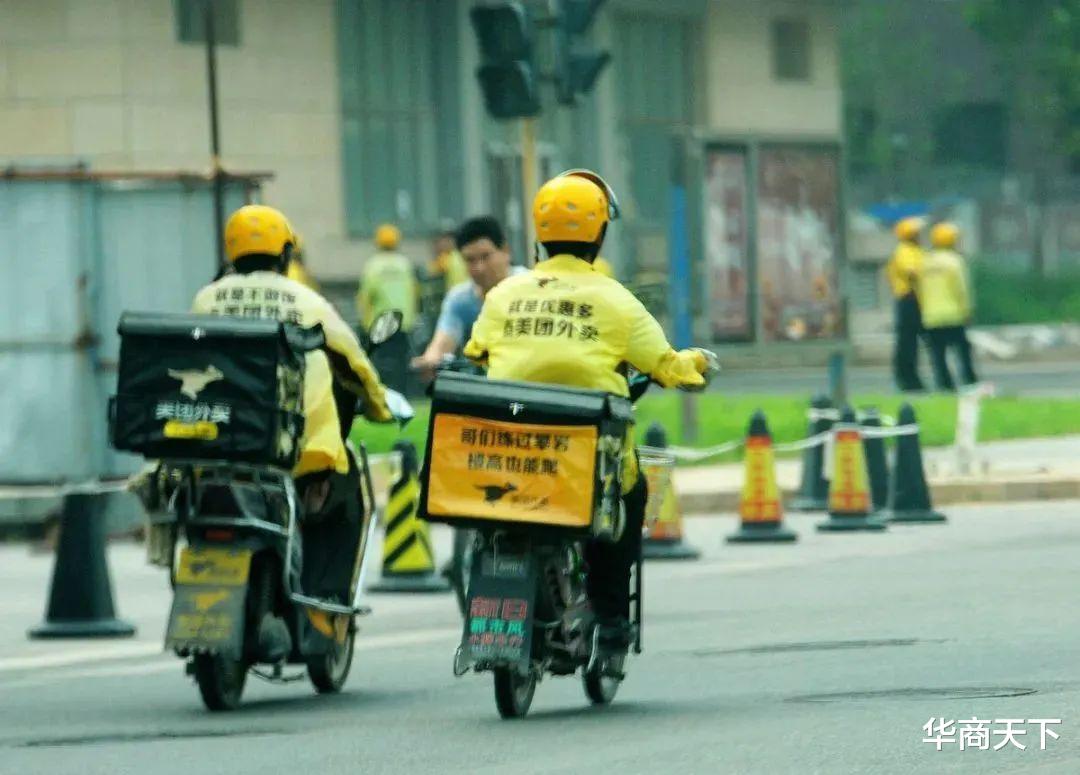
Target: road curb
x,y
942,493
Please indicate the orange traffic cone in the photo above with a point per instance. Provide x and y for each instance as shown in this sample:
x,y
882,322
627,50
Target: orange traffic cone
x,y
663,539
760,512
849,487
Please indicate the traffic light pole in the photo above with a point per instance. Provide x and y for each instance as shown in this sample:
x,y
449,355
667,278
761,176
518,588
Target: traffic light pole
x,y
528,182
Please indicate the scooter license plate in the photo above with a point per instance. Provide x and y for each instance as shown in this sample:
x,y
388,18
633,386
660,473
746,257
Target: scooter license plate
x,y
208,602
499,616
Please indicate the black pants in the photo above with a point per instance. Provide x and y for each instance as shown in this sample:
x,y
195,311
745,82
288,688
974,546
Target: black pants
x,y
610,563
908,324
331,537
942,340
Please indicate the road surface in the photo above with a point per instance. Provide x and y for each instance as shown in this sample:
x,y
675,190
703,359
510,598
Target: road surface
x,y
826,656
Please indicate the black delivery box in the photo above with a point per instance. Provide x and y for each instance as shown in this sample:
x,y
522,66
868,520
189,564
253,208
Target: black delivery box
x,y
206,387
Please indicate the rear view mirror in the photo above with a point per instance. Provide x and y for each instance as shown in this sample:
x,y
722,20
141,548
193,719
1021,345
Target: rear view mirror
x,y
399,407
384,327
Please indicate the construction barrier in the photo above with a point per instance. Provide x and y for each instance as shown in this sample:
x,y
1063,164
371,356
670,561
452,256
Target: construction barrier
x,y
408,558
760,512
814,487
80,593
849,487
663,531
877,465
909,497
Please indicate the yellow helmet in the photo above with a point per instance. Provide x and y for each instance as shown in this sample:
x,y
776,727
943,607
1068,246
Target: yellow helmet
x,y
944,235
387,236
908,229
256,230
574,207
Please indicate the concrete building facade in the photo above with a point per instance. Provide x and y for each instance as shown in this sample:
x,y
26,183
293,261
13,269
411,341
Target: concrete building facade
x,y
368,110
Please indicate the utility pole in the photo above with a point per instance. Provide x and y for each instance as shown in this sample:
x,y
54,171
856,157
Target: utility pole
x,y
528,181
215,137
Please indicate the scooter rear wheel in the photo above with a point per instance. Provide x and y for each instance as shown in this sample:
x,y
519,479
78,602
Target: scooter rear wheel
x,y
328,672
221,681
600,688
513,692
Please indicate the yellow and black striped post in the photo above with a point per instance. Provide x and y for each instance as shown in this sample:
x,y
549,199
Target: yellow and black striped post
x,y
408,558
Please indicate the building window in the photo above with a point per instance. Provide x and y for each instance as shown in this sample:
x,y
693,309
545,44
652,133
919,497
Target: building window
x,y
655,86
791,50
399,95
865,289
191,24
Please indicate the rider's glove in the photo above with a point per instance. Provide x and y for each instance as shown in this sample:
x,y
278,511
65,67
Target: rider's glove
x,y
707,364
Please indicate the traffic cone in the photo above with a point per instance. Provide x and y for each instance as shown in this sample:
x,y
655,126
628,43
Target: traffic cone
x,y
759,506
408,559
909,497
814,488
663,539
876,464
80,595
849,490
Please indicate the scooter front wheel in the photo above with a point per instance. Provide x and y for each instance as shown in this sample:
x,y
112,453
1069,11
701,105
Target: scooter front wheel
x,y
513,692
220,680
329,671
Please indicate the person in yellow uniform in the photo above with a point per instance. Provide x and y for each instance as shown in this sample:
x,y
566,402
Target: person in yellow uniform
x,y
258,245
902,272
564,323
449,263
389,283
945,302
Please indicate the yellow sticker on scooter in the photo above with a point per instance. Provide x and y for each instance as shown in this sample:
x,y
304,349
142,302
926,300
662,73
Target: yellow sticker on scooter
x,y
202,430
213,566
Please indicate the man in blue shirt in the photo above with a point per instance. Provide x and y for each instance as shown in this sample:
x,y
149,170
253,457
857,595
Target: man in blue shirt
x,y
482,244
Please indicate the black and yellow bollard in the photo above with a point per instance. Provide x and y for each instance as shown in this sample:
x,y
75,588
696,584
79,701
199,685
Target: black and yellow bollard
x,y
80,597
849,488
813,492
909,496
877,465
760,513
663,538
408,558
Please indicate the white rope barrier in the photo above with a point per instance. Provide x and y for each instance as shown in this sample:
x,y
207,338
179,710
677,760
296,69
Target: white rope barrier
x,y
813,415
661,455
689,453
803,444
649,455
888,433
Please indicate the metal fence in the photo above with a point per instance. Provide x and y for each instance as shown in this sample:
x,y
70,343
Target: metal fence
x,y
81,248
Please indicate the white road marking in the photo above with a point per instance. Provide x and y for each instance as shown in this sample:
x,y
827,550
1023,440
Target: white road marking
x,y
75,662
82,655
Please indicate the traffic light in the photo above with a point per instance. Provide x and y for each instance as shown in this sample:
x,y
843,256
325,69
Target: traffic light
x,y
508,76
577,65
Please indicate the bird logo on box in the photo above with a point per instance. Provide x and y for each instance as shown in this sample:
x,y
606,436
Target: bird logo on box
x,y
194,381
493,492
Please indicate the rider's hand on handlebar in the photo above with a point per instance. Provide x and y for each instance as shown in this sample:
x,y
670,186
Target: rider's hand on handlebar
x,y
426,364
708,366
